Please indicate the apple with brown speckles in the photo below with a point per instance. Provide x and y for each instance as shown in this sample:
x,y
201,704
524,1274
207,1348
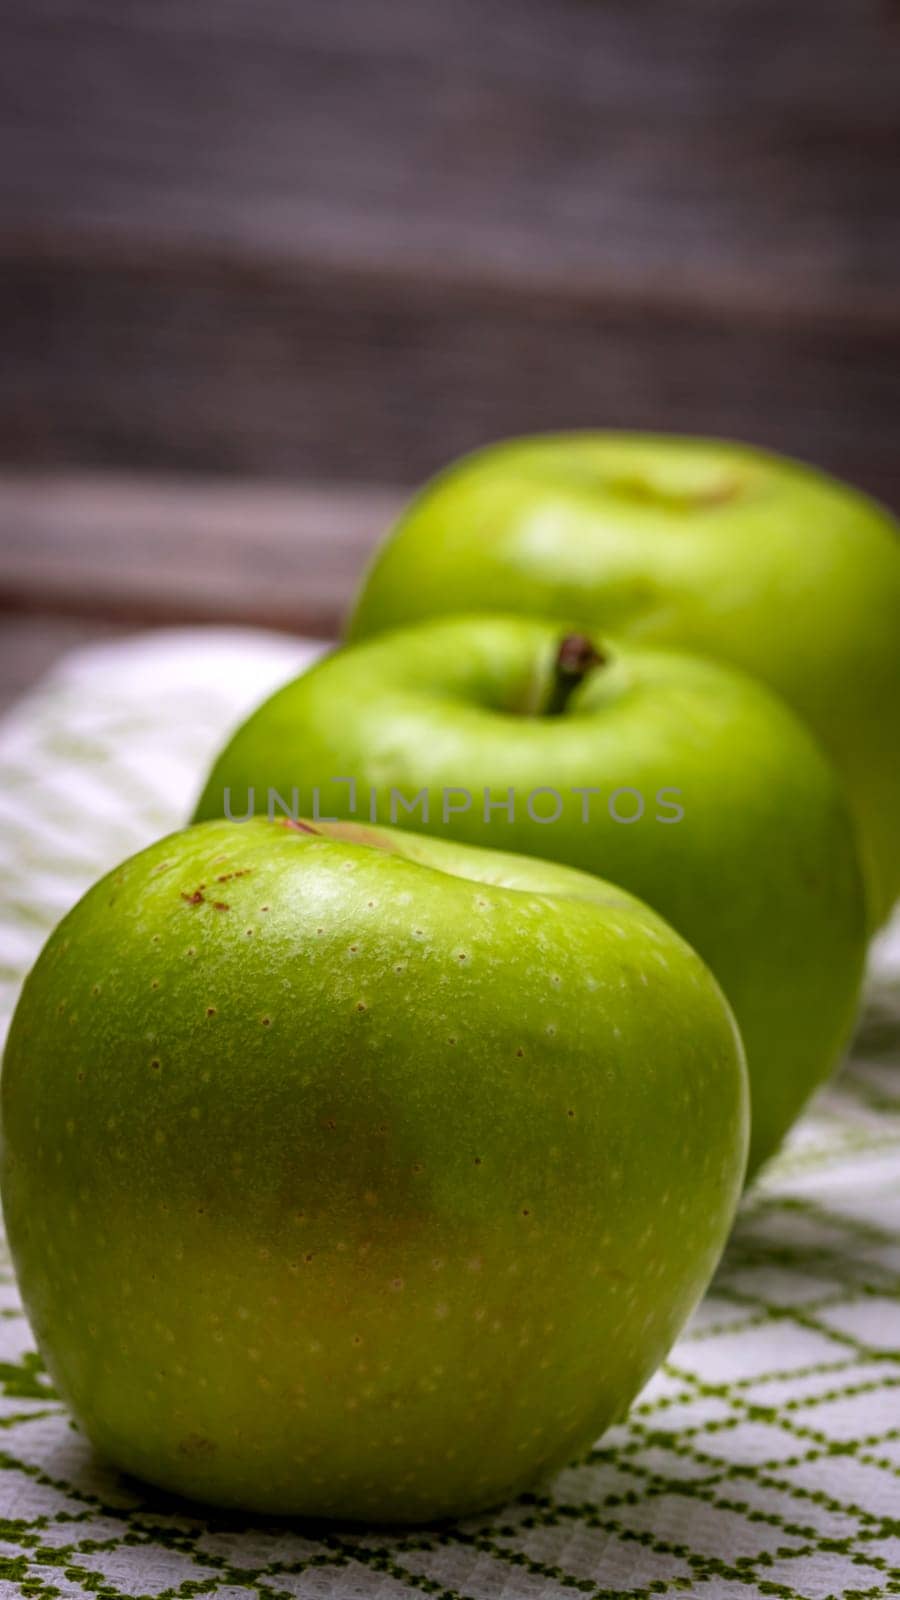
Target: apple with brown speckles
x,y
354,1174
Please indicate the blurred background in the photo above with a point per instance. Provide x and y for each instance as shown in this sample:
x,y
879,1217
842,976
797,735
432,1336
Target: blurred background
x,y
266,264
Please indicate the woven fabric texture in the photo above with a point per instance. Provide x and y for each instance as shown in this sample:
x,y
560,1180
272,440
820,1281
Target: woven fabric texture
x,y
763,1459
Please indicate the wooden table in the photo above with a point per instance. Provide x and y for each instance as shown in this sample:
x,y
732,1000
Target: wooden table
x,y
85,556
251,244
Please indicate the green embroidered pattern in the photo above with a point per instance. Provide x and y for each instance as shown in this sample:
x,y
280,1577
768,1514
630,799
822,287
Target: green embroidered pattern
x,y
763,1459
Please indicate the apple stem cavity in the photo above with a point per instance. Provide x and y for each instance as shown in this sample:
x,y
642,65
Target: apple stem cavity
x,y
575,658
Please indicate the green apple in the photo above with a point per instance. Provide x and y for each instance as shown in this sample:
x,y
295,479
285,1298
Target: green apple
x,y
354,1174
745,843
693,543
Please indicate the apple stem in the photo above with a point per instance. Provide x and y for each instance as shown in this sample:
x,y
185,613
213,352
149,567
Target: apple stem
x,y
575,658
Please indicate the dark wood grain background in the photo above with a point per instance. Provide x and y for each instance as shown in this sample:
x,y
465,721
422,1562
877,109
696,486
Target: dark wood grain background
x,y
333,245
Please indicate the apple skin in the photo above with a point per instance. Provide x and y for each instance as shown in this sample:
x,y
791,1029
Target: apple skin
x,y
694,543
761,875
358,1175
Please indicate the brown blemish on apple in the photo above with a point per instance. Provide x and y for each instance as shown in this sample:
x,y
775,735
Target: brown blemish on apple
x,y
195,899
226,877
356,833
725,487
196,1446
720,493
221,905
297,826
